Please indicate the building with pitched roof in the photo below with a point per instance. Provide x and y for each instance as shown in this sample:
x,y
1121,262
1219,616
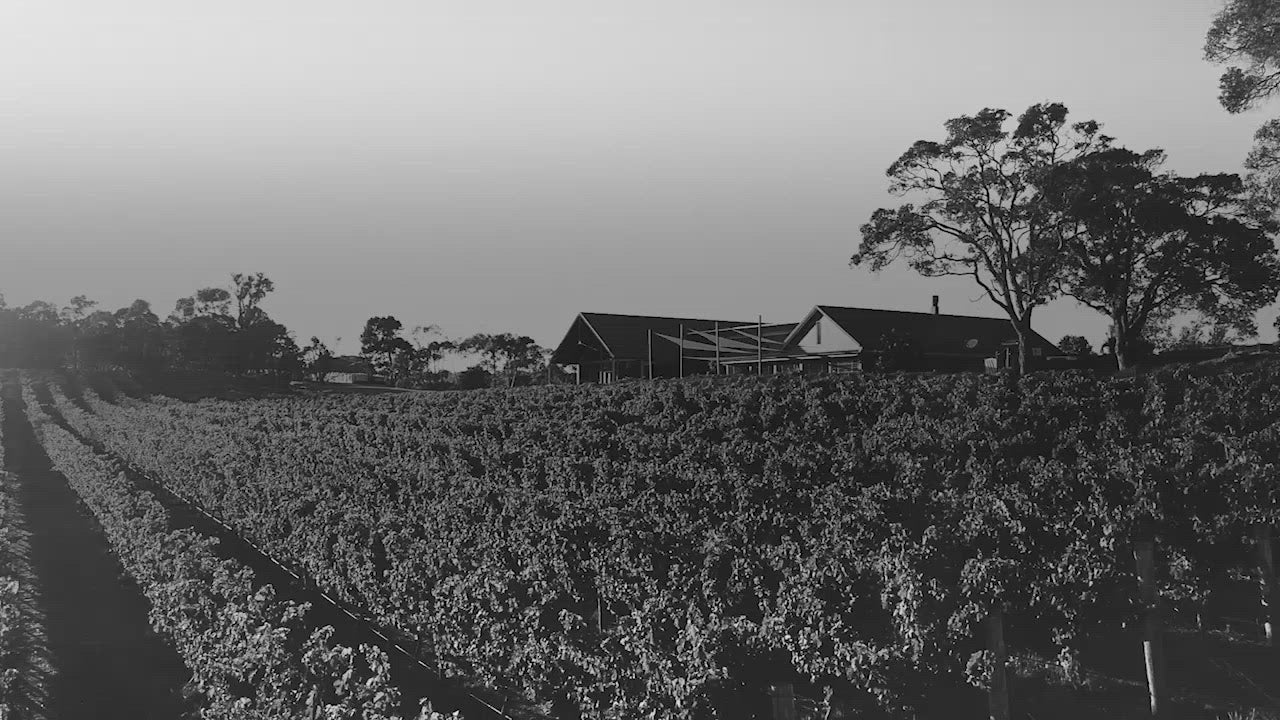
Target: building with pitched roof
x,y
836,339
608,347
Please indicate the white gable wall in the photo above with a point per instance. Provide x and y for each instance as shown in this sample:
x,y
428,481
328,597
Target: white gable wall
x,y
825,336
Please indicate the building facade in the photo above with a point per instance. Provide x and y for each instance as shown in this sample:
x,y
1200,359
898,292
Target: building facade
x,y
608,347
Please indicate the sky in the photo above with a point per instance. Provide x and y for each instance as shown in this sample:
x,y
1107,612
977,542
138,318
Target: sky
x,y
501,165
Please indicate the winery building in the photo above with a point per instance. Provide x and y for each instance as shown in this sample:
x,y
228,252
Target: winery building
x,y
608,347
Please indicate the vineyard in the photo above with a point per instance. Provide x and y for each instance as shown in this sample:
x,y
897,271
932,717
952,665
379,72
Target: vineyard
x,y
24,662
688,549
250,655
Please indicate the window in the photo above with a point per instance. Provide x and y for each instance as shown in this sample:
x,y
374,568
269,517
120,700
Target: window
x,y
606,376
817,327
843,366
1037,352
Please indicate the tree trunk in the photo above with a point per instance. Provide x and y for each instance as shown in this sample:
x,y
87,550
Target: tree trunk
x,y
1122,355
1153,635
1022,328
1122,343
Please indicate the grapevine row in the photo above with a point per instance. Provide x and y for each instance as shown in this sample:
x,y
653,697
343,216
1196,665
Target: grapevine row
x,y
251,655
25,667
669,549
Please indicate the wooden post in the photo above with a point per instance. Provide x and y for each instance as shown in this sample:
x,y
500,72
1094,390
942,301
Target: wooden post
x,y
784,701
1152,641
1267,576
650,354
717,347
681,349
998,692
759,344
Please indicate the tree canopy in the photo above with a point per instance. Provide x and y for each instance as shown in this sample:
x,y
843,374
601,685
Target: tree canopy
x,y
380,341
249,291
506,355
199,334
1075,345
1245,35
1145,244
982,212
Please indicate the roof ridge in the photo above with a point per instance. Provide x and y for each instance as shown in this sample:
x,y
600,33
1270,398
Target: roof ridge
x,y
668,317
911,312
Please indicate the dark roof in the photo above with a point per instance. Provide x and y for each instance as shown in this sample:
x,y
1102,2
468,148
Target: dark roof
x,y
627,336
932,333
350,364
595,336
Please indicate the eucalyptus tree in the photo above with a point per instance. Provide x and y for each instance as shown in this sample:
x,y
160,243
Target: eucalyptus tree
x,y
1147,244
981,210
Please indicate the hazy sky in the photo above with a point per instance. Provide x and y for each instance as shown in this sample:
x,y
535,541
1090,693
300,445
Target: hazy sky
x,y
501,165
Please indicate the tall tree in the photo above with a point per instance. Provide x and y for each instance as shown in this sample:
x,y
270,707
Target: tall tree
x,y
982,214
141,336
207,302
33,336
505,354
249,291
1246,34
265,345
430,347
1146,244
380,341
74,316
40,311
317,359
77,309
97,341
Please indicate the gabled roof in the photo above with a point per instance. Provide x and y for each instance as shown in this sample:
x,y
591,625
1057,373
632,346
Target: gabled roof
x,y
627,336
932,333
350,364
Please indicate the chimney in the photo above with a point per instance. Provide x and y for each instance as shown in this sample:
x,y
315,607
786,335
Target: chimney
x,y
935,304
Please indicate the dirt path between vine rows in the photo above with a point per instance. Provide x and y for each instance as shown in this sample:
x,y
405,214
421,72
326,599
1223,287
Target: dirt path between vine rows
x,y
108,662
412,677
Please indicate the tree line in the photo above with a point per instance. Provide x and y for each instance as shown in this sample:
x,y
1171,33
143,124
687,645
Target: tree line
x,y
503,359
219,329
225,330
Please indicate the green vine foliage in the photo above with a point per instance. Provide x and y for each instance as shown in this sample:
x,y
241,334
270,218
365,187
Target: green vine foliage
x,y
251,655
668,549
25,663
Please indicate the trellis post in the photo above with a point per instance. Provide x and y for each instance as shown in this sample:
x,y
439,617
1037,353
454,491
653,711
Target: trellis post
x,y
784,701
650,332
717,332
1267,576
998,690
1153,636
759,344
681,349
